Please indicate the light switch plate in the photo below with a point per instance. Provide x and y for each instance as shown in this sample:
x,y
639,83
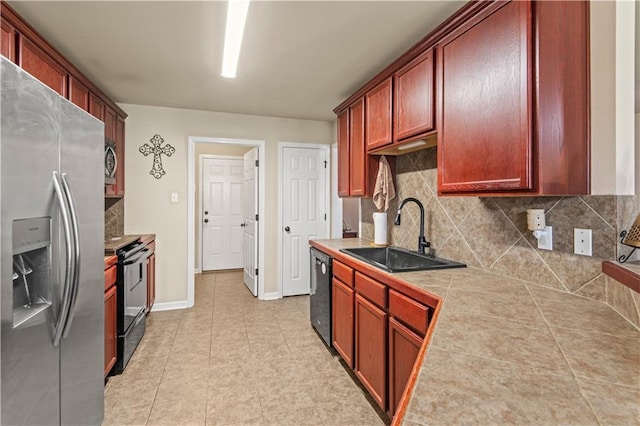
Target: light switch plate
x,y
582,243
546,241
174,197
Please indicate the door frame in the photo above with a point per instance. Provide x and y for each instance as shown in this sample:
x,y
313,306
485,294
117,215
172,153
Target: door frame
x,y
327,194
191,207
201,159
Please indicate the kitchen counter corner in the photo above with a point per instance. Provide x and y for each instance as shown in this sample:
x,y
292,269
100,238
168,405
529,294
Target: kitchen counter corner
x,y
505,350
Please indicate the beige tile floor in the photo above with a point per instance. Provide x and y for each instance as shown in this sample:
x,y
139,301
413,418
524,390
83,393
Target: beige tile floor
x,y
233,360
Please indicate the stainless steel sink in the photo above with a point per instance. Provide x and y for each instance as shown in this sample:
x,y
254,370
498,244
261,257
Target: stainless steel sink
x,y
396,259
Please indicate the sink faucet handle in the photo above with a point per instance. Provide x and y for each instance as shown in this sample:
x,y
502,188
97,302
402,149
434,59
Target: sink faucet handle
x,y
423,243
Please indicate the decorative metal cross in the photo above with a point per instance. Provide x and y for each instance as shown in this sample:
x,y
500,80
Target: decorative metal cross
x,y
157,150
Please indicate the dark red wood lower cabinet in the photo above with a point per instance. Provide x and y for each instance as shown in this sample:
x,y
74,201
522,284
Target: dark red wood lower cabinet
x,y
342,320
404,346
371,349
110,329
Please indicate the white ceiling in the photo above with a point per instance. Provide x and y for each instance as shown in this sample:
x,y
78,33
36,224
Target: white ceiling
x,y
299,59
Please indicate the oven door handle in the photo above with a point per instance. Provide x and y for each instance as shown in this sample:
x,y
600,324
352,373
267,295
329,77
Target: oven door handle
x,y
70,265
75,233
135,259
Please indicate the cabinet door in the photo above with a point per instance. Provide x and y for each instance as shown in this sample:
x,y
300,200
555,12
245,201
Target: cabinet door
x,y
8,40
357,150
110,329
109,123
414,98
96,107
78,93
485,138
371,349
404,346
151,281
378,115
343,154
40,65
342,320
120,156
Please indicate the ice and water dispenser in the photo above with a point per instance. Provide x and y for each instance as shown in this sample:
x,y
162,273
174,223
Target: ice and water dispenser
x,y
31,268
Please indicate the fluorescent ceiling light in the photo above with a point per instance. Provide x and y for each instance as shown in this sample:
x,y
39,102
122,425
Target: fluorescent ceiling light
x,y
236,18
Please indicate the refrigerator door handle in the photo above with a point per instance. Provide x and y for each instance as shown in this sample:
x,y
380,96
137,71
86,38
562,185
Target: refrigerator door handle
x,y
75,234
69,267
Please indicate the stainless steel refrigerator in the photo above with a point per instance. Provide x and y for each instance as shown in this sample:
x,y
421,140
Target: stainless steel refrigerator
x,y
52,264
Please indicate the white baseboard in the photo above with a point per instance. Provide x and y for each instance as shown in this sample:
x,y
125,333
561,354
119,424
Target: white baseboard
x,y
169,306
197,271
271,296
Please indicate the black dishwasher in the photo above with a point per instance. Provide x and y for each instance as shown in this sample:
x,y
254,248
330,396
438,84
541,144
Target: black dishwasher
x,y
320,295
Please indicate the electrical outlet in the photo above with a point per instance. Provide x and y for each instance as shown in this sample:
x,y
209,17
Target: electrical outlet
x,y
174,197
545,242
582,244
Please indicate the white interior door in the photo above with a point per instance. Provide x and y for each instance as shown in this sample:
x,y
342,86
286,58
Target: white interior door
x,y
222,234
304,213
250,222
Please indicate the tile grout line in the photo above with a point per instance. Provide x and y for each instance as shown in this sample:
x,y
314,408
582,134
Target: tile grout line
x,y
163,372
564,355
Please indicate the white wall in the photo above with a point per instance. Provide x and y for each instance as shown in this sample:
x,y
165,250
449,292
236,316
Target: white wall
x,y
209,149
351,212
147,200
612,97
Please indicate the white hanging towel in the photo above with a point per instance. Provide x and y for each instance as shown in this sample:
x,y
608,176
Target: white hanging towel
x,y
384,190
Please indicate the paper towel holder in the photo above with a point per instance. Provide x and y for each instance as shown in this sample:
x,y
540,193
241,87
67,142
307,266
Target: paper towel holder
x,y
630,238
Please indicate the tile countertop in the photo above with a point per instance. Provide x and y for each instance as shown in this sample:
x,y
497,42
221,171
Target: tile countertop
x,y
509,351
112,245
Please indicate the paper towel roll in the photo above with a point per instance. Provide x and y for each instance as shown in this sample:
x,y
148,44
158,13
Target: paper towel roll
x,y
380,228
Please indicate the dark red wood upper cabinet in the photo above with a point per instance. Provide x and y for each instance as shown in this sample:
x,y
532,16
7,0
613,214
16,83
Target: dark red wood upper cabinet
x,y
78,93
485,134
343,154
378,113
358,166
109,123
7,40
40,65
563,107
414,98
504,66
119,139
96,107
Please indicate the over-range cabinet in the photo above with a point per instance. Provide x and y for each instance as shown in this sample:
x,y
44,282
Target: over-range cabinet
x,y
51,264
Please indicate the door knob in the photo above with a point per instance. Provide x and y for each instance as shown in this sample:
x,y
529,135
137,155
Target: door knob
x,y
206,221
243,224
206,212
287,229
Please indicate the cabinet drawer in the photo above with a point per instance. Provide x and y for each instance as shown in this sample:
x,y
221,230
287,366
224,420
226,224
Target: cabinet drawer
x,y
343,273
413,314
110,277
371,289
